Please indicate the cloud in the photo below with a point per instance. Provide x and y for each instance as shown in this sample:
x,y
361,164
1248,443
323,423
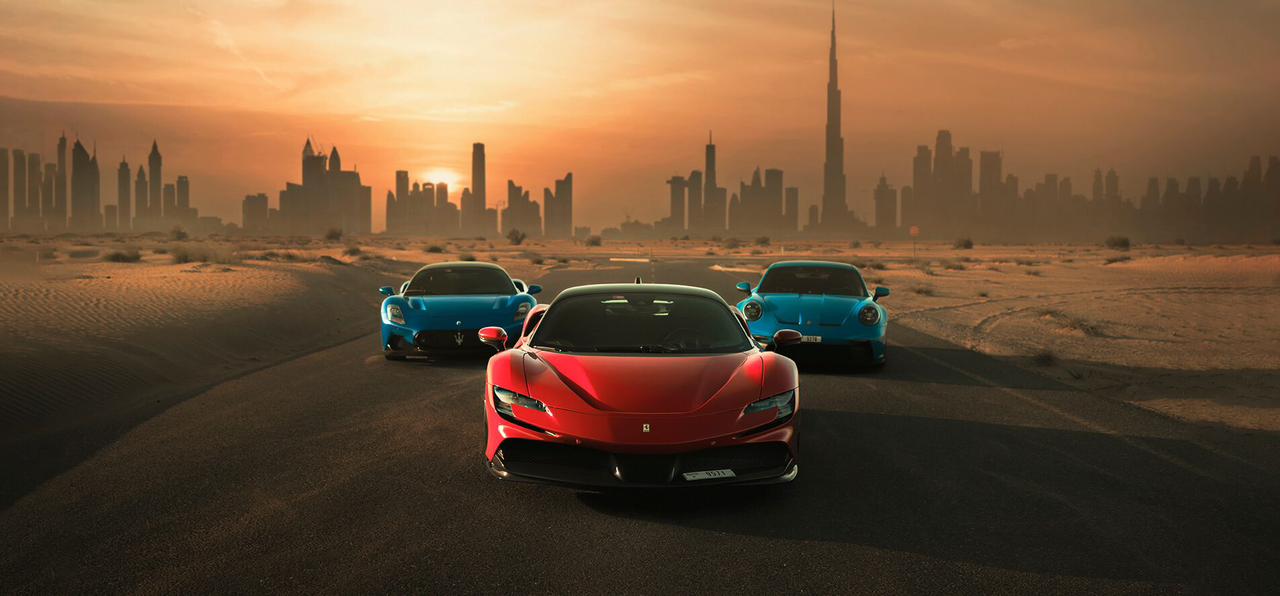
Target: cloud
x,y
223,40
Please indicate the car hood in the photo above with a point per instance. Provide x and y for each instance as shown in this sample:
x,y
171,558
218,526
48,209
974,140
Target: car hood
x,y
654,383
806,309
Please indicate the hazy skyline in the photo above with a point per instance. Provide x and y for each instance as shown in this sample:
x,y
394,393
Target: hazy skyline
x,y
622,93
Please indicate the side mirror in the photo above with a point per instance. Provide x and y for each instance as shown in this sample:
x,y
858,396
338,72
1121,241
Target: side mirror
x,y
494,337
387,291
744,287
520,285
535,288
786,337
881,292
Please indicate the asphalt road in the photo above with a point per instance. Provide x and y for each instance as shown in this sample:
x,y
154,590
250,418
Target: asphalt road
x,y
948,471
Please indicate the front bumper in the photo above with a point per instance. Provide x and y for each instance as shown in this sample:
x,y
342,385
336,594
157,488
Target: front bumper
x,y
582,467
860,341
410,341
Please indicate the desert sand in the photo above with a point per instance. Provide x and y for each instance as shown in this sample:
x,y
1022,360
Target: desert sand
x,y
94,345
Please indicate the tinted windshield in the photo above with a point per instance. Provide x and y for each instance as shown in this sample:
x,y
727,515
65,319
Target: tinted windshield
x,y
813,280
641,322
454,281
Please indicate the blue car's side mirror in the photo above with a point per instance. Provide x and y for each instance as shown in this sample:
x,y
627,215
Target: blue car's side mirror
x,y
387,291
881,292
535,288
744,287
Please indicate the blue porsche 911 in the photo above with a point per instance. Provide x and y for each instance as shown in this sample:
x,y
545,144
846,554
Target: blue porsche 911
x,y
442,307
828,303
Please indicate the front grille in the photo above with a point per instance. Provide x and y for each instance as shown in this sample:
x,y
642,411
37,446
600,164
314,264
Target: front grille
x,y
448,340
571,464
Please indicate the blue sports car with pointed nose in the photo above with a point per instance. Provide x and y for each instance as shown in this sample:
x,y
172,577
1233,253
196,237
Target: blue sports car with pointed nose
x,y
443,306
828,303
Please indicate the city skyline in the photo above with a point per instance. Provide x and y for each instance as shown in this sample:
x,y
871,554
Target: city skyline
x,y
1065,89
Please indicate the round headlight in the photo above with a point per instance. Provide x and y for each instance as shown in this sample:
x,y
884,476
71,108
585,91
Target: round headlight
x,y
869,315
752,311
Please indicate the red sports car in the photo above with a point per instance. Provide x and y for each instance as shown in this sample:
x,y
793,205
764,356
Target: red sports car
x,y
640,385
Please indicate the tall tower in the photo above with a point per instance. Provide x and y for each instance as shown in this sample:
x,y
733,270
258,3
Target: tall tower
x,y
123,202
156,180
834,207
60,183
473,214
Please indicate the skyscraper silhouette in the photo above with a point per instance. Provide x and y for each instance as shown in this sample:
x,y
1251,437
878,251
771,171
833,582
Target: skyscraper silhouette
x,y
714,203
86,211
59,221
886,202
4,189
558,208
155,167
834,205
675,221
19,189
140,190
123,202
474,217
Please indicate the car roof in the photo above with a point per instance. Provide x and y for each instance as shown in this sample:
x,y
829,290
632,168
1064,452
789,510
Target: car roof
x,y
640,287
462,264
830,264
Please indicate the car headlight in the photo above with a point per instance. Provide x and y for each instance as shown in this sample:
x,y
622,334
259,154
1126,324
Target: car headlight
x,y
785,403
869,315
504,399
395,315
521,311
752,311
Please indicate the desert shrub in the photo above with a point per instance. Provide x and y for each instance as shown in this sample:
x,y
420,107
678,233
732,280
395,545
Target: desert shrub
x,y
1032,272
179,234
925,269
762,241
924,290
1117,242
516,237
983,294
731,243
954,266
963,244
1117,259
855,244
160,251
130,255
466,256
333,235
434,248
756,251
352,251
710,252
594,241
1044,358
1026,262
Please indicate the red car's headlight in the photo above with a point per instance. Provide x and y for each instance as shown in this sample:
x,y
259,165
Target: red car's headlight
x,y
504,399
784,402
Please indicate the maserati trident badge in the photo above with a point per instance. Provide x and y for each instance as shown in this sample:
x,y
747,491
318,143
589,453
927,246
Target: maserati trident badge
x,y
457,338
644,427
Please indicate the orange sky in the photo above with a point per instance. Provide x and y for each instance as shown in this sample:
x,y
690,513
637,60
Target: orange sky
x,y
623,92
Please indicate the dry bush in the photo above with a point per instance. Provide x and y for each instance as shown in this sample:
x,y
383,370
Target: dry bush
x,y
128,255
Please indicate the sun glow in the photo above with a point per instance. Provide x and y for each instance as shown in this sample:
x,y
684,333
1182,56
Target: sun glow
x,y
445,175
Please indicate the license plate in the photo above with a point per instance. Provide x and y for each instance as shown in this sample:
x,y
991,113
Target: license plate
x,y
811,339
708,474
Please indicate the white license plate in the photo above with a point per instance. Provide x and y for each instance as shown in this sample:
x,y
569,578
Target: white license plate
x,y
708,474
811,339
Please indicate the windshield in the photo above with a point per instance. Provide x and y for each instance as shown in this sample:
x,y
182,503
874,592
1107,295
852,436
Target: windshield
x,y
460,281
813,280
641,322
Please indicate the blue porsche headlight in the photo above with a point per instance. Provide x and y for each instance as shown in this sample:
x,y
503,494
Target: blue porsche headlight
x,y
504,399
752,310
869,315
785,403
395,315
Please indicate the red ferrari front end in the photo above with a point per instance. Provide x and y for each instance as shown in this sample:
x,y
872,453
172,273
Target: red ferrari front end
x,y
640,385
